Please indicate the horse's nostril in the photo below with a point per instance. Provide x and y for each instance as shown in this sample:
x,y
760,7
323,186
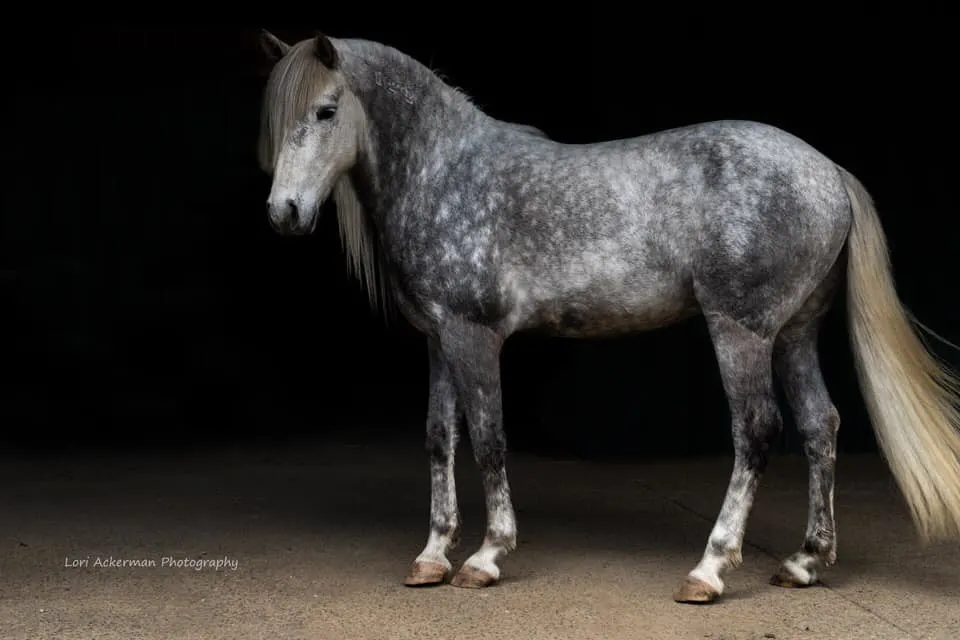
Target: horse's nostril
x,y
292,211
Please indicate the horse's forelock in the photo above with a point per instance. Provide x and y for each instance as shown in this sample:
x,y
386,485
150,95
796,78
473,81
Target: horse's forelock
x,y
291,88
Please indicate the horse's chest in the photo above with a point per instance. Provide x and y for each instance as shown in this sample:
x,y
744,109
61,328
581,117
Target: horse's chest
x,y
449,262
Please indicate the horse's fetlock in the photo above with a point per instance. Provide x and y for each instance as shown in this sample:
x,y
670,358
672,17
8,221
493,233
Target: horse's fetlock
x,y
501,538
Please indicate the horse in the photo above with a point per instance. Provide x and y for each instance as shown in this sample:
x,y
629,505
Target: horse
x,y
475,228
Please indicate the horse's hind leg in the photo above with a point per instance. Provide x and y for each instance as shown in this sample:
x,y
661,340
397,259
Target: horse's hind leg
x,y
798,368
745,359
432,565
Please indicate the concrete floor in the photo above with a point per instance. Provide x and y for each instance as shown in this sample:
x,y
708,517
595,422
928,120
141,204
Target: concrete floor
x,y
322,537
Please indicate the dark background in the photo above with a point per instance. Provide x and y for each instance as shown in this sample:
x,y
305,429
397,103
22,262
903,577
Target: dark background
x,y
146,302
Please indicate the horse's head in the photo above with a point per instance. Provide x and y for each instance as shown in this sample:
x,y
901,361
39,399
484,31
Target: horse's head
x,y
311,130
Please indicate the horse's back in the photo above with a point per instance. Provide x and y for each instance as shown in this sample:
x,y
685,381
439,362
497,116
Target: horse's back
x,y
727,171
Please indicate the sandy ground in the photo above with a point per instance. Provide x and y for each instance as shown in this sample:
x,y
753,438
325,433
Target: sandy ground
x,y
315,541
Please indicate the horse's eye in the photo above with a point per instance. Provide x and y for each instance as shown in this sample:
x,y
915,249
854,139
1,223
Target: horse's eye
x,y
325,113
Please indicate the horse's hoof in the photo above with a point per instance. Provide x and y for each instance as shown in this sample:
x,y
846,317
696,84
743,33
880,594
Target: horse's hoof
x,y
694,591
472,578
426,573
783,578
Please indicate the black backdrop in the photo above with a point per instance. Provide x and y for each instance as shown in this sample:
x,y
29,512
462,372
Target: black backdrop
x,y
146,301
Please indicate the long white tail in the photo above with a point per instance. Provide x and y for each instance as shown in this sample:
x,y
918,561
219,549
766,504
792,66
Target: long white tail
x,y
912,398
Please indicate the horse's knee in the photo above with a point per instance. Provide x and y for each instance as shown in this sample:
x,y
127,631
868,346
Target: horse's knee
x,y
438,440
757,429
489,445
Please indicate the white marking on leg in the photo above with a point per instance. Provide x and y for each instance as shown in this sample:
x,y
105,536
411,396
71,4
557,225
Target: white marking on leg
x,y
709,569
723,550
501,536
445,502
486,558
801,567
436,549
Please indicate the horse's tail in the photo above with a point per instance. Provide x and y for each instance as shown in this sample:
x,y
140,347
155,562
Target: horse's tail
x,y
913,399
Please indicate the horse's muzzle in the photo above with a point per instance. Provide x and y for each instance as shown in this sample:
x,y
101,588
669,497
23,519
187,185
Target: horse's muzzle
x,y
286,218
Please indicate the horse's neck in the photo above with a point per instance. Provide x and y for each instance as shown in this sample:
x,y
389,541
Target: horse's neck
x,y
412,116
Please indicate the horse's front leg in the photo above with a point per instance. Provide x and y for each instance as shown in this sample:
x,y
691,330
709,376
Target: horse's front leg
x,y
443,418
473,352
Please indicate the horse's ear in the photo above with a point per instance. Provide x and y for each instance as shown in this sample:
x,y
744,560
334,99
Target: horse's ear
x,y
325,52
274,47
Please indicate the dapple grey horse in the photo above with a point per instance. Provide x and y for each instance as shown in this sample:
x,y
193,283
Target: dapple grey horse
x,y
475,229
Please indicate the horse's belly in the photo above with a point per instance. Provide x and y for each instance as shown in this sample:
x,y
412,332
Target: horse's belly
x,y
575,318
604,304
